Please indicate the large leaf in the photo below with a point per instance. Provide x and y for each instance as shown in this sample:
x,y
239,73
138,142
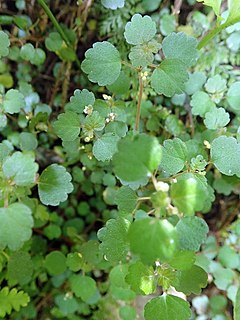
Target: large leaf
x,y
16,224
137,158
54,185
169,78
102,63
114,240
140,29
225,154
12,300
153,239
167,307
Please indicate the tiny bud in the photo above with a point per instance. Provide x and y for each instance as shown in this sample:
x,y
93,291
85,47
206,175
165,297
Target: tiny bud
x,y
162,186
87,139
207,144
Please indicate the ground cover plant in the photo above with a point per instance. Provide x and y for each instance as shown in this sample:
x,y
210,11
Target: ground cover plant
x,y
120,159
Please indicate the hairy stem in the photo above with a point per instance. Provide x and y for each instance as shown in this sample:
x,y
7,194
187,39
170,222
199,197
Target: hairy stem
x,y
139,101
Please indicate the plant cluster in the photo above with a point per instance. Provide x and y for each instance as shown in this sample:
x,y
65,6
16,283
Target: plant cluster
x,y
121,200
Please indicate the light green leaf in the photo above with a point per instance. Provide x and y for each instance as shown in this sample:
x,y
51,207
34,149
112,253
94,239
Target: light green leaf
x,y
216,118
83,287
67,304
180,46
237,306
102,63
225,155
195,82
167,24
28,141
192,232
201,103
228,257
13,101
20,267
174,156
214,4
233,96
114,240
216,84
150,5
54,185
74,261
55,263
142,55
127,313
191,281
169,78
113,4
167,307
27,52
141,278
126,199
190,193
105,147
79,100
137,157
182,260
234,12
16,224
12,300
93,122
67,126
5,43
153,239
140,29
21,168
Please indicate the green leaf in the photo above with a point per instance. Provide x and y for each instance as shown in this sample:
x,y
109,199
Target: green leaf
x,y
182,47
182,260
153,239
192,232
5,43
28,141
55,263
174,156
167,24
121,85
137,158
225,155
214,4
67,126
54,185
12,300
126,199
21,168
167,307
74,261
169,78
67,304
80,100
142,55
113,4
234,12
93,122
127,313
16,224
13,101
190,193
151,5
201,103
102,63
83,287
216,118
27,52
114,240
228,257
165,276
140,29
237,306
141,278
195,82
105,147
191,281
233,96
20,267
53,42
216,84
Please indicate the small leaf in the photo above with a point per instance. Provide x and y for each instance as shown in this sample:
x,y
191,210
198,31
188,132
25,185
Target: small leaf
x,y
192,232
225,155
113,4
174,156
153,239
28,141
167,307
12,300
191,281
27,52
16,224
83,287
126,199
105,147
182,47
20,267
216,118
141,278
233,96
5,43
201,103
80,100
182,260
13,101
54,185
137,157
67,126
21,168
114,240
142,55
169,78
102,63
140,29
55,263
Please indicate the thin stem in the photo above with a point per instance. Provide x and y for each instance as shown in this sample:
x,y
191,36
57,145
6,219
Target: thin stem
x,y
144,198
139,101
129,65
